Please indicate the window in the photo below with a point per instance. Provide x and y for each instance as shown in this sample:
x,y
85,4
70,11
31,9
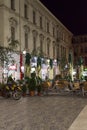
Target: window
x,y
75,54
85,39
65,52
41,22
53,32
25,11
81,50
54,51
41,46
47,27
61,51
34,17
13,4
34,44
85,60
85,49
26,40
57,34
12,33
57,51
48,49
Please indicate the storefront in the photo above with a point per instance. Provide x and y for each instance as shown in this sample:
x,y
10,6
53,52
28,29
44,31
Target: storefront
x,y
17,67
13,67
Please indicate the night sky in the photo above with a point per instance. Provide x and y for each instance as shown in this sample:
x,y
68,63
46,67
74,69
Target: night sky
x,y
72,13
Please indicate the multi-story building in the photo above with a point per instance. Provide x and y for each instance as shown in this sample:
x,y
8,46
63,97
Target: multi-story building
x,y
35,27
80,52
80,48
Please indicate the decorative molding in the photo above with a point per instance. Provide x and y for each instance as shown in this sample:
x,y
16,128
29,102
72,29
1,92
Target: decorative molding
x,y
48,40
35,33
13,22
41,37
26,28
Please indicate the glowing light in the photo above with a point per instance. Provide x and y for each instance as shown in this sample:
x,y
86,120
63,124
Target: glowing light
x,y
24,52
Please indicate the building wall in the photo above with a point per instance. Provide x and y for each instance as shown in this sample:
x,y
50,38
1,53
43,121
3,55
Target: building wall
x,y
55,38
80,48
22,24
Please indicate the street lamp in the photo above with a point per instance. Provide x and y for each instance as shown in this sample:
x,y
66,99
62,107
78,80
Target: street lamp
x,y
24,52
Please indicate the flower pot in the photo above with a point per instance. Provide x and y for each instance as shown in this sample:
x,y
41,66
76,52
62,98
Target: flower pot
x,y
32,93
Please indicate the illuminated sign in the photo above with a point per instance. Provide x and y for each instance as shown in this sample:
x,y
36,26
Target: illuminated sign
x,y
12,67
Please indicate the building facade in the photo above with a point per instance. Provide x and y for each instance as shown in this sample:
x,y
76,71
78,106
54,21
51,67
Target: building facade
x,y
80,53
80,48
36,29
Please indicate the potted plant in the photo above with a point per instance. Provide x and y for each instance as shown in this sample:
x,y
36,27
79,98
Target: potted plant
x,y
27,82
2,85
23,87
39,85
32,84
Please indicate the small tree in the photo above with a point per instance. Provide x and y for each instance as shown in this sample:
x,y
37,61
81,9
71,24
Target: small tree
x,y
6,52
63,62
40,54
27,63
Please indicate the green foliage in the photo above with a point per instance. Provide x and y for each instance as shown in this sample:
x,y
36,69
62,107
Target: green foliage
x,y
51,63
39,88
80,61
24,88
38,61
13,44
32,85
39,84
27,79
32,82
63,62
57,61
5,55
27,60
6,52
70,58
10,80
2,85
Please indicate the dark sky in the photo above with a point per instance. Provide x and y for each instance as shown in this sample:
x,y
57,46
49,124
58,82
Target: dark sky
x,y
72,13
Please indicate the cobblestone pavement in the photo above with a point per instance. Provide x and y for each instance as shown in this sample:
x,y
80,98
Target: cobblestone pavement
x,y
52,112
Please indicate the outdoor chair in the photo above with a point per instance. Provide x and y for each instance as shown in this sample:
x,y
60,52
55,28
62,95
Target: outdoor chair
x,y
46,85
76,87
84,88
60,86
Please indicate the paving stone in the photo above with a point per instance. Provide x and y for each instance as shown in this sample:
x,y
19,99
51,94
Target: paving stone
x,y
52,112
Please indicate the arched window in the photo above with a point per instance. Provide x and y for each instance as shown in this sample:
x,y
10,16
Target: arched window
x,y
13,4
12,33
